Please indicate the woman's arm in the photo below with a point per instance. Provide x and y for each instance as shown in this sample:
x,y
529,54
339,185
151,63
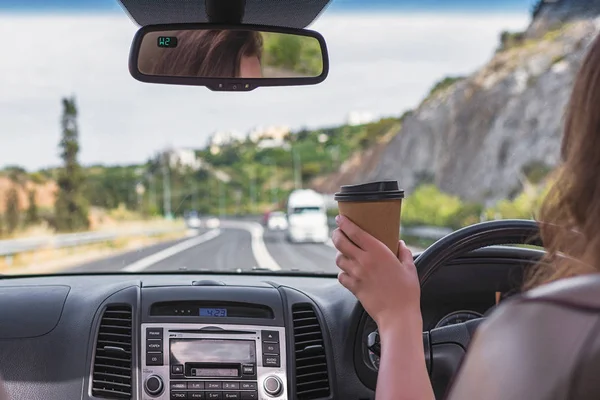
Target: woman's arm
x,y
3,395
387,286
402,370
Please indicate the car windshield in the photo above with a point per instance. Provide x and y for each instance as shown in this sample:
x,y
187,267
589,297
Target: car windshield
x,y
460,101
306,210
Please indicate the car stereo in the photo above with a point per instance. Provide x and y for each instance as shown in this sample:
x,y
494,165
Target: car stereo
x,y
213,361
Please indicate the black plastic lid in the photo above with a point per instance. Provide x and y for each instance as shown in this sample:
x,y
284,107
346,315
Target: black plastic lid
x,y
372,191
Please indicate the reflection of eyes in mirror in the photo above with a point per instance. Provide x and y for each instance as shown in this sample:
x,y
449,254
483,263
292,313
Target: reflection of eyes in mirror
x,y
229,54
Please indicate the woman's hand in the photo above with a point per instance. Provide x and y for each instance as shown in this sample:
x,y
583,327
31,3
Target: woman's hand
x,y
386,285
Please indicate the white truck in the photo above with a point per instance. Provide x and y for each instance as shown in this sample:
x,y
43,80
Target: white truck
x,y
307,217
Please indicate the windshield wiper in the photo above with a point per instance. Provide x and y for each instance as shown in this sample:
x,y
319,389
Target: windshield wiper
x,y
293,271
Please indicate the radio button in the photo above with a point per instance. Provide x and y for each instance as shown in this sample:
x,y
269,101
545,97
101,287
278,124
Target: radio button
x,y
249,386
249,396
179,395
271,348
213,385
153,385
270,336
231,395
178,386
154,333
195,385
248,369
271,361
214,395
196,395
154,359
154,345
273,386
177,369
231,385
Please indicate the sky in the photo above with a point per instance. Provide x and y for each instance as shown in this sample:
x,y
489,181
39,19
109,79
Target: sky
x,y
382,62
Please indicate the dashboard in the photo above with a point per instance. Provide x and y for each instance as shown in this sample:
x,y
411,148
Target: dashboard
x,y
207,336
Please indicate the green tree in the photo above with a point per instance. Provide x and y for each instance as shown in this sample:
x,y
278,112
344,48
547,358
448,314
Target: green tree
x,y
71,207
12,210
32,216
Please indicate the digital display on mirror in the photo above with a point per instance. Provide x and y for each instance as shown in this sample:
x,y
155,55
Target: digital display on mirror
x,y
167,41
213,312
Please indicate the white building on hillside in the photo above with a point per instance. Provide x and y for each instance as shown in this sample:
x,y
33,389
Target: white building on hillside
x,y
184,158
220,139
359,118
270,137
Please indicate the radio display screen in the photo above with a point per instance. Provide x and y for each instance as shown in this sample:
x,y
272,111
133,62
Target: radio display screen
x,y
215,372
213,351
213,312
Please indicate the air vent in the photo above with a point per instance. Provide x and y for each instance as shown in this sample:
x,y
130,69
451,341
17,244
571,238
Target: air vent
x,y
112,363
312,379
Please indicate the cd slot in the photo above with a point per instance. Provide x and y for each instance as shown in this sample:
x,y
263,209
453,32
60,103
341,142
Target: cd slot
x,y
206,370
213,332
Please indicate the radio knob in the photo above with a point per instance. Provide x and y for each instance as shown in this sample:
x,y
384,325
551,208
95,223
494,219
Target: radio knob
x,y
273,386
154,385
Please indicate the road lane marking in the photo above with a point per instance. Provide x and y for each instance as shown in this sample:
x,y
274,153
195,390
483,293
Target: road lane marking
x,y
146,262
259,249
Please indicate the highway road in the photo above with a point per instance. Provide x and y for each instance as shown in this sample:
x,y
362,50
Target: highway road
x,y
234,245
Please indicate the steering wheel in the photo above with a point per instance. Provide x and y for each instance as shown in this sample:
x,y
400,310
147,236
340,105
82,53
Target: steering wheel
x,y
458,243
445,347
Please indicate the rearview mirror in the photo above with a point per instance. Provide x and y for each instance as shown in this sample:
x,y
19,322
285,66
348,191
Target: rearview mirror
x,y
228,58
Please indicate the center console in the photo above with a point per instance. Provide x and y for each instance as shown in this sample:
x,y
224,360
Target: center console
x,y
213,361
211,348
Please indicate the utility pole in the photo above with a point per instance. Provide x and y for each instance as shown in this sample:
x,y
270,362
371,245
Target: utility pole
x,y
140,189
221,198
152,191
166,187
274,197
253,191
194,189
207,195
297,169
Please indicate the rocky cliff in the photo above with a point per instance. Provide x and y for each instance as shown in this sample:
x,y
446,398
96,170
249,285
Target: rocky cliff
x,y
551,13
485,135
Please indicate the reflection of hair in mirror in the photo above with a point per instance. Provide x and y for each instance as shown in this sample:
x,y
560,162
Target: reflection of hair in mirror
x,y
212,54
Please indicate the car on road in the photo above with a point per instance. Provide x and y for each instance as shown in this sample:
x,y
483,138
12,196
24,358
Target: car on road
x,y
193,221
277,221
212,222
307,217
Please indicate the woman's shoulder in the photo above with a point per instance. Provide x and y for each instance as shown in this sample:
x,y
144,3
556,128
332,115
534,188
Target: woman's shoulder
x,y
539,336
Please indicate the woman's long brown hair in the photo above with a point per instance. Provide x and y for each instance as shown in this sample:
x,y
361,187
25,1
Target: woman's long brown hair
x,y
570,215
209,53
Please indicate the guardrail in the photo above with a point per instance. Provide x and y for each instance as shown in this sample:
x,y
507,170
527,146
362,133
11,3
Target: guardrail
x,y
11,247
421,232
426,232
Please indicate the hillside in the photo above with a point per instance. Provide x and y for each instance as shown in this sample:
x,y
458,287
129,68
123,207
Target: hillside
x,y
484,137
44,192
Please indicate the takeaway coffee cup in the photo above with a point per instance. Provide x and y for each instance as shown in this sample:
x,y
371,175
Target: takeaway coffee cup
x,y
375,207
